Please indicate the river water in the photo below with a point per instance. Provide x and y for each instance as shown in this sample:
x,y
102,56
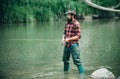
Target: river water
x,y
34,50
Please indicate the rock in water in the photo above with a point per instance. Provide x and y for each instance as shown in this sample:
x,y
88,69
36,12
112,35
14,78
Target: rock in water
x,y
118,77
102,73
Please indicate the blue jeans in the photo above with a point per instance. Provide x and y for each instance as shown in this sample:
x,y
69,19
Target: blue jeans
x,y
74,50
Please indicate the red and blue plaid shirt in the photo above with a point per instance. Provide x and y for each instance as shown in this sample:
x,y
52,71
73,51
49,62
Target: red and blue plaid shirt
x,y
71,30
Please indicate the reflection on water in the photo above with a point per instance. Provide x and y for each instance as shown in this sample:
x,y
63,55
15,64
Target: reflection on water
x,y
34,51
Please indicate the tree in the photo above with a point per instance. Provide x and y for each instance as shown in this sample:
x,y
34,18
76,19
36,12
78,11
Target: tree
x,y
88,2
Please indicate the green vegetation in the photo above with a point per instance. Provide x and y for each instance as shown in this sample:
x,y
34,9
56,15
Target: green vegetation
x,y
12,11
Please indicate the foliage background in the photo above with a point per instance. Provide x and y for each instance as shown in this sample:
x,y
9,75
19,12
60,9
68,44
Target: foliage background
x,y
12,11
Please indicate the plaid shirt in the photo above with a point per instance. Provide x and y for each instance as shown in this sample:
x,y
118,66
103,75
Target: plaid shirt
x,y
71,30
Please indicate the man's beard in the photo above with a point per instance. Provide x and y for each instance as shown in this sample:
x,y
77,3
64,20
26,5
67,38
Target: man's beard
x,y
69,20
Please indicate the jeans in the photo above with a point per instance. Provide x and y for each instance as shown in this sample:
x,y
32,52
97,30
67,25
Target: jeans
x,y
74,50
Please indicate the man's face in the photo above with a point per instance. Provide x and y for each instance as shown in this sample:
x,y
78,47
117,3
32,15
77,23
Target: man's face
x,y
69,16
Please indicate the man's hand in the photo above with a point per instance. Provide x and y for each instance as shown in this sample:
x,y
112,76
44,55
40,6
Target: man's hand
x,y
67,40
63,42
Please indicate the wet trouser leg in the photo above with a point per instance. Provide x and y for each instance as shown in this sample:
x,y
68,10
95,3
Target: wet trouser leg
x,y
81,71
66,57
75,51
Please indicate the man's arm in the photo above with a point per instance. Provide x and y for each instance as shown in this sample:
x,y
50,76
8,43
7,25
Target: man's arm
x,y
71,39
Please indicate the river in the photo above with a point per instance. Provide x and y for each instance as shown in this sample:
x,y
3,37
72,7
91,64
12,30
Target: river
x,y
34,50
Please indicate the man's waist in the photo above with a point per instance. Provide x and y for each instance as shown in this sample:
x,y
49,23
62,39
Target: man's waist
x,y
72,42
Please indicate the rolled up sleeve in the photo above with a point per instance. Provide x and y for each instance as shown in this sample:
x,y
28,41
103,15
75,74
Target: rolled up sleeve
x,y
78,30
